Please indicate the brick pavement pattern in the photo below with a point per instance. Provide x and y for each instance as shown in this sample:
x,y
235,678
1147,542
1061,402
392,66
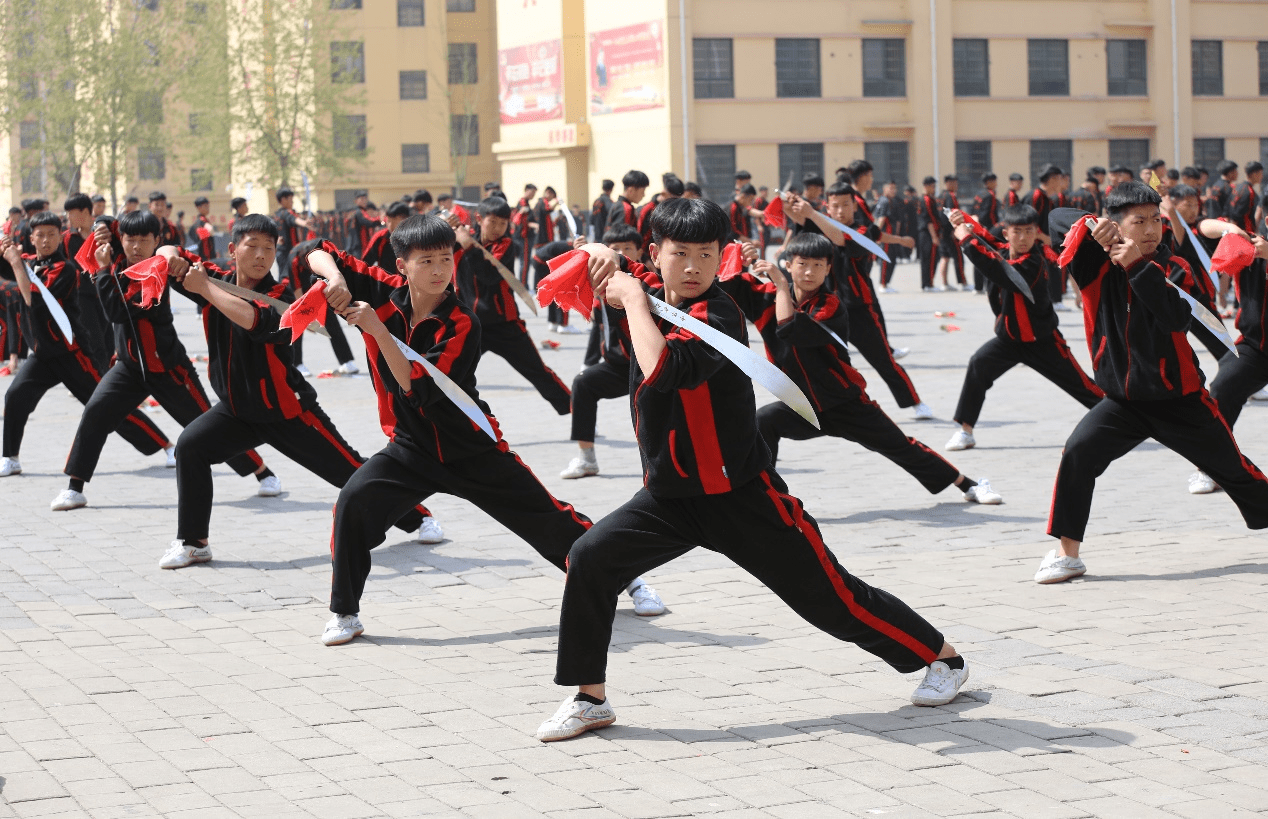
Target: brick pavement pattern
x,y
1137,691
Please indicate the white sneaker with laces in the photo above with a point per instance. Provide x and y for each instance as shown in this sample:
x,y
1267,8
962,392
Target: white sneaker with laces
x,y
940,685
270,487
570,330
574,719
430,531
342,628
68,499
647,602
1058,569
180,555
900,352
10,466
1200,483
923,412
304,371
349,368
1262,395
983,493
961,440
579,467
170,452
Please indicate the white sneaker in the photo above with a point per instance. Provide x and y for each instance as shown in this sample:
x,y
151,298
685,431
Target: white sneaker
x,y
940,685
348,368
1056,569
923,412
68,499
170,452
342,628
983,493
966,287
574,719
1200,483
270,487
10,466
430,531
569,330
1061,307
304,371
1262,395
579,467
901,352
647,602
960,440
889,290
179,555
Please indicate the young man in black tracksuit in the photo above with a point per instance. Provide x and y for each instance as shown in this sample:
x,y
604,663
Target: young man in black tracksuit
x,y
708,481
379,249
1025,333
948,250
482,288
434,446
624,211
263,399
927,230
54,359
149,357
1184,202
1143,362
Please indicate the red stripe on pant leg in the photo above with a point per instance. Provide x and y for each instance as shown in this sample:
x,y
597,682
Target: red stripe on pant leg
x,y
1064,349
1210,404
315,423
150,430
182,377
864,616
889,353
561,506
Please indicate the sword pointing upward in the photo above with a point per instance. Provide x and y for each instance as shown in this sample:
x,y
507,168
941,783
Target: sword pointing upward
x,y
252,295
53,305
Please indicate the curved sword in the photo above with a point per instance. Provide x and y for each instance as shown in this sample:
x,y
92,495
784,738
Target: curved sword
x,y
451,390
54,306
252,295
1208,319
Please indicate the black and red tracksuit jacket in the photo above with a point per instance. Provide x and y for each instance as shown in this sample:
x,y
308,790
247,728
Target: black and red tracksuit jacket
x,y
1252,306
1136,325
379,251
599,215
1016,319
422,419
928,214
851,276
290,230
544,216
1014,197
203,238
1085,200
481,287
365,228
986,208
1240,209
741,223
1192,278
171,235
39,329
623,212
695,415
1217,203
144,337
615,345
801,346
1042,203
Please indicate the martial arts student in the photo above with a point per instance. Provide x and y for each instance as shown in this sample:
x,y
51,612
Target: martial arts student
x,y
55,360
625,209
797,322
1193,278
927,222
202,234
986,203
300,279
482,288
1142,360
948,251
1043,199
149,357
1025,333
434,447
1241,203
79,227
1015,183
263,399
708,481
378,250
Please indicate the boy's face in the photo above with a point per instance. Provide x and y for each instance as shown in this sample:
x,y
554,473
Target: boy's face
x,y
1255,177
287,202
428,271
203,210
635,195
863,182
159,208
627,249
808,274
1231,176
953,185
842,208
1021,238
98,208
242,209
79,219
891,190
814,192
687,268
254,256
138,248
991,184
931,188
46,239
745,200
1015,184
1143,225
393,222
492,228
1190,208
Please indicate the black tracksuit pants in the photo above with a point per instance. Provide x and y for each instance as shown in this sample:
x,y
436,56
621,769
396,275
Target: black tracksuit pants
x,y
1240,377
397,479
77,372
862,422
956,255
867,333
928,250
594,345
510,340
1190,426
1056,281
338,341
603,380
120,392
310,440
766,532
1049,357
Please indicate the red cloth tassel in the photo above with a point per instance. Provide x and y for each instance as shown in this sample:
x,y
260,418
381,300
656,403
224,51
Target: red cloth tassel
x,y
774,213
1233,255
307,308
568,284
732,261
151,275
1079,231
86,258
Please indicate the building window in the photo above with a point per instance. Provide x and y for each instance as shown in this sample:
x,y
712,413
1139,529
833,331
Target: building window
x,y
1263,69
29,135
1207,153
32,179
338,5
462,64
464,134
409,13
345,199
469,193
151,163
1208,68
884,68
413,85
972,159
1049,64
889,163
713,69
149,108
195,124
349,135
347,61
971,59
715,171
148,5
796,159
199,179
459,5
1125,68
1134,153
1059,152
796,67
415,158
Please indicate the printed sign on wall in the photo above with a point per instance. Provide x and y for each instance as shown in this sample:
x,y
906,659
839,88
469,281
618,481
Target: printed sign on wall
x,y
530,83
627,68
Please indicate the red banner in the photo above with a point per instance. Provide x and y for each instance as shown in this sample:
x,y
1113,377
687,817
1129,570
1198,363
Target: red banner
x,y
530,83
627,68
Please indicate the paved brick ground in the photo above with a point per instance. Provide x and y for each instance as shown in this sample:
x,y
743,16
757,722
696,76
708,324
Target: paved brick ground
x,y
1137,691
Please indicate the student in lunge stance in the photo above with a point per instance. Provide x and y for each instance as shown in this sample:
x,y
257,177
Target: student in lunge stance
x,y
708,481
1025,333
263,399
434,447
1142,360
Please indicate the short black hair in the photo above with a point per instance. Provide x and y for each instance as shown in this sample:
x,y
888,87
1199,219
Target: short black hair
x,y
529,187
1225,166
608,185
1015,177
1254,166
131,200
255,223
283,192
950,178
930,180
1202,171
1173,174
693,221
1127,195
1096,170
1120,168
489,206
139,223
397,209
812,179
156,196
77,201
622,233
1156,164
444,197
1019,216
550,190
14,210
1182,192
635,179
989,176
1191,172
840,189
1049,171
493,186
748,190
202,200
46,217
858,167
422,196
811,246
742,175
691,187
422,231
237,200
673,185
96,197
